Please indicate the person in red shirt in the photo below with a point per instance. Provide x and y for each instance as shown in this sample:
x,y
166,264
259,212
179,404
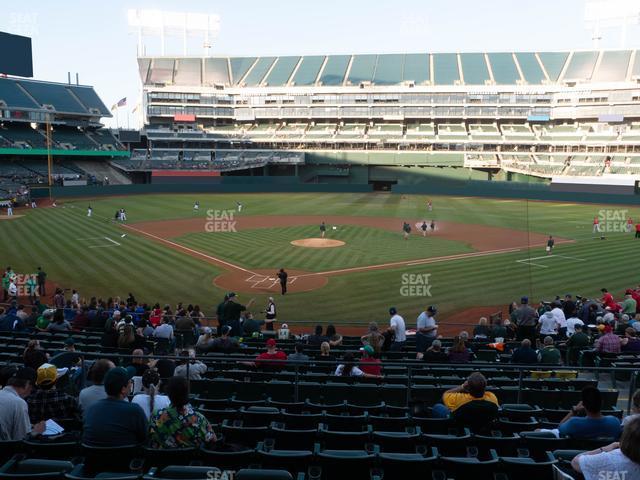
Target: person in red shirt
x,y
272,353
596,225
369,364
629,225
638,230
608,301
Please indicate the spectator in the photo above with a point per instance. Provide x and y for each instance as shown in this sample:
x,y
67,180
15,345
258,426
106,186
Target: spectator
x,y
548,323
369,364
335,339
427,329
189,366
299,356
630,342
34,355
458,352
150,400
571,325
165,367
139,362
576,342
561,320
145,329
251,326
524,355
225,343
435,353
205,341
271,354
325,352
14,412
179,425
47,402
110,335
113,421
549,354
628,305
471,391
91,394
591,423
185,322
635,408
348,368
614,459
498,329
608,302
317,338
164,330
232,312
525,319
398,329
608,343
373,338
128,340
482,330
59,324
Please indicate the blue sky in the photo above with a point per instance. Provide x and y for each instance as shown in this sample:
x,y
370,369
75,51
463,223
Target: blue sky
x,y
93,39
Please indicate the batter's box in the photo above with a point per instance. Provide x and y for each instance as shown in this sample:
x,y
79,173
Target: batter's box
x,y
266,281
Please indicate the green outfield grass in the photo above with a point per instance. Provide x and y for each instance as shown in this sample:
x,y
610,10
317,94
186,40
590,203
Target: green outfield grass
x,y
73,250
271,247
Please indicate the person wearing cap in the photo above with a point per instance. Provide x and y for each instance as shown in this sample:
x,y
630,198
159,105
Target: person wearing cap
x,y
225,342
369,364
427,329
571,325
398,329
205,340
270,315
549,354
220,311
525,318
46,402
271,354
113,421
629,304
14,411
232,312
609,342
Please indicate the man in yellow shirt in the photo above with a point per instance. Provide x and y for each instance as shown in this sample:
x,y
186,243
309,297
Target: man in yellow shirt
x,y
472,395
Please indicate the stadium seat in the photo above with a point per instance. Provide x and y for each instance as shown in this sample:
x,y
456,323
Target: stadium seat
x,y
351,464
398,442
42,447
79,472
336,440
401,466
108,459
302,421
470,467
290,439
179,472
254,474
20,467
293,461
8,448
162,457
228,456
540,442
259,416
529,467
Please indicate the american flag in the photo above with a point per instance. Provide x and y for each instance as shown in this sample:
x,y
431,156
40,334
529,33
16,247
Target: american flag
x,y
121,103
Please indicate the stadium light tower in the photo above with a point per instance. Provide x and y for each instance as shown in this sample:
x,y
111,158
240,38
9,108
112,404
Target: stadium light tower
x,y
602,14
173,24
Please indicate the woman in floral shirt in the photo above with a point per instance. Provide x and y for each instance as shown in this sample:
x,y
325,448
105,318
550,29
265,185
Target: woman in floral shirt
x,y
179,425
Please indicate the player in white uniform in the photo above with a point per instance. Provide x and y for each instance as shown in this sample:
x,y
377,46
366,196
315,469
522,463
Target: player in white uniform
x,y
196,206
89,211
123,215
33,204
10,209
239,206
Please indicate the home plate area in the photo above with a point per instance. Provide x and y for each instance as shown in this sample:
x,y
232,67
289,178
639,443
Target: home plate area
x,y
266,281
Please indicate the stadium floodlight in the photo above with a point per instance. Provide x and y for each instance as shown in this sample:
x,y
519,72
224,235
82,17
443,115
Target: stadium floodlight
x,y
173,24
600,14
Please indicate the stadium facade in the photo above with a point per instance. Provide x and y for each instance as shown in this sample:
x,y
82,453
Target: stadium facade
x,y
339,117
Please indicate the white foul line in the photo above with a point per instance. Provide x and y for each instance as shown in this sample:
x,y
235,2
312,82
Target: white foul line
x,y
182,247
112,241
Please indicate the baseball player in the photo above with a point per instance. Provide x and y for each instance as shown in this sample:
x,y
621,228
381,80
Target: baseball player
x,y
123,215
629,225
424,227
10,209
33,204
433,226
323,230
89,211
239,206
596,225
282,276
550,243
406,230
196,206
429,205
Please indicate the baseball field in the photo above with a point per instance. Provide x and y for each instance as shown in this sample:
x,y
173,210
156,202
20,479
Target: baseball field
x,y
482,253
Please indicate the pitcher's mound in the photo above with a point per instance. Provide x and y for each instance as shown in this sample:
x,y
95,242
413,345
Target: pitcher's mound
x,y
317,243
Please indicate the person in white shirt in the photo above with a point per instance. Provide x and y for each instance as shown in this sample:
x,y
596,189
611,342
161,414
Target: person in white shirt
x,y
427,329
616,460
558,314
548,323
571,325
150,400
189,367
75,298
89,211
348,368
165,330
397,326
13,290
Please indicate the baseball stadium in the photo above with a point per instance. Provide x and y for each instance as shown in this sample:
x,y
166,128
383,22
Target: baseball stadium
x,y
322,266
